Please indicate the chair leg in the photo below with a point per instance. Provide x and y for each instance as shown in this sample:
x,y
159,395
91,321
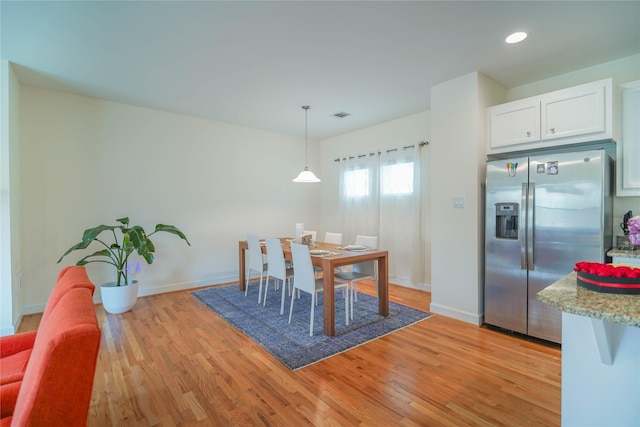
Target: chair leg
x,y
353,284
284,289
266,288
291,309
346,308
260,288
246,285
313,305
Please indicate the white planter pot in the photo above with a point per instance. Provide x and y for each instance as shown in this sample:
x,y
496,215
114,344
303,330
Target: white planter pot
x,y
119,299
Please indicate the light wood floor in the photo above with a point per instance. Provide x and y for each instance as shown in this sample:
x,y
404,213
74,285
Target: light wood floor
x,y
172,362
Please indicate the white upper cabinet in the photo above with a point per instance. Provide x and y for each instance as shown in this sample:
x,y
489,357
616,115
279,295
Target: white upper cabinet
x,y
514,123
575,111
628,148
568,116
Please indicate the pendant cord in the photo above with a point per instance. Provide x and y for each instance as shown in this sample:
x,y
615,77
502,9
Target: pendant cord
x,y
306,141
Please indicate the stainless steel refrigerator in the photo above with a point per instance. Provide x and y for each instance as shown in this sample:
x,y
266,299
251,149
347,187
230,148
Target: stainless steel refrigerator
x,y
544,213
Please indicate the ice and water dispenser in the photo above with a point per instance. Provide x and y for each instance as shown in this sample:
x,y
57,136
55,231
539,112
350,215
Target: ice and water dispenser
x,y
507,220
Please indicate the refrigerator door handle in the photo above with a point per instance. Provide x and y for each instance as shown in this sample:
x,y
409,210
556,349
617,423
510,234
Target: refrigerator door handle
x,y
523,221
530,221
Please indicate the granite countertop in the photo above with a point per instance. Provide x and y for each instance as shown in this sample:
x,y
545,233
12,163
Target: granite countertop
x,y
623,253
567,296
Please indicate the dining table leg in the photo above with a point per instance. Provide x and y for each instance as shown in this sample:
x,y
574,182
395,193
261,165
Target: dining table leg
x,y
241,266
383,286
328,302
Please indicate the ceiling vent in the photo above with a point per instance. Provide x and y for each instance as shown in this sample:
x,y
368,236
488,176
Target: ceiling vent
x,y
340,115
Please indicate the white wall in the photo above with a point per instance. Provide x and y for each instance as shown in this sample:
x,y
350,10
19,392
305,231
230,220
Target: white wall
x,y
6,309
395,133
87,162
10,292
621,71
457,170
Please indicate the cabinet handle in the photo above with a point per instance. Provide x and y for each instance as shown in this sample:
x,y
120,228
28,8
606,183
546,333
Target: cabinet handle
x,y
553,130
528,134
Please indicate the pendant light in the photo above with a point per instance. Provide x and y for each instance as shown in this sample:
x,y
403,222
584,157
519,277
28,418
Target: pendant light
x,y
306,175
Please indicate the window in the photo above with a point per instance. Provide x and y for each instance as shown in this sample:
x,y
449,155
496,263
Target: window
x,y
397,179
356,183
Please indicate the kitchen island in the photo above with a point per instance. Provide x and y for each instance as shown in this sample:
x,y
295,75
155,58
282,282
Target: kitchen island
x,y
621,256
600,354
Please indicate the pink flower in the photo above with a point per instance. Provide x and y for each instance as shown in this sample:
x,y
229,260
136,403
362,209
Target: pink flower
x,y
634,230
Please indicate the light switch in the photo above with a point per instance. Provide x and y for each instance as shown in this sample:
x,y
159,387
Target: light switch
x,y
458,201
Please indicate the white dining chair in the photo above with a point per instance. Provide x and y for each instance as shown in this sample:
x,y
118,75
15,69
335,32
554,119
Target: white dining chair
x,y
313,234
360,271
256,263
334,238
277,269
304,280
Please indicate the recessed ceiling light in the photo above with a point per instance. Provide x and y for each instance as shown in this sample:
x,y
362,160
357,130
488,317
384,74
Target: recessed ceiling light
x,y
516,37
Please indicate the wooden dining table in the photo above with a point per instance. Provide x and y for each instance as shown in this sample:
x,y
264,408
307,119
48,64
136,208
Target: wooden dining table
x,y
338,257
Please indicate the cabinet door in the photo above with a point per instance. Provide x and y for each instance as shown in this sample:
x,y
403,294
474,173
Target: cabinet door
x,y
514,123
628,148
633,262
573,112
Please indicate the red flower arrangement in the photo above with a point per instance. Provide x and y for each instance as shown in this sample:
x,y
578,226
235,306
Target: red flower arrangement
x,y
607,270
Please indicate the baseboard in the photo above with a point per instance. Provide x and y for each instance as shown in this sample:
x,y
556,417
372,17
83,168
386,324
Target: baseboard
x,y
474,319
420,286
8,331
173,287
32,309
143,292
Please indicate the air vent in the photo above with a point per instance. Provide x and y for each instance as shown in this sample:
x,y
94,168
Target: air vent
x,y
340,115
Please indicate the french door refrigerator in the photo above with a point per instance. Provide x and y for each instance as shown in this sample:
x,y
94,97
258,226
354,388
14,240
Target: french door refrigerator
x,y
544,213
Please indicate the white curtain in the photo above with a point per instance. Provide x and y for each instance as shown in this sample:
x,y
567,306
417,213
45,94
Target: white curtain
x,y
380,196
359,196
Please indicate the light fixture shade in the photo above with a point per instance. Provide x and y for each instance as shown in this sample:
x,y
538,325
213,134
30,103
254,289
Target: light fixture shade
x,y
306,176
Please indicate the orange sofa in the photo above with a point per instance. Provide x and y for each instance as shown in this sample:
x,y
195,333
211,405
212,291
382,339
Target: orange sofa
x,y
15,350
55,388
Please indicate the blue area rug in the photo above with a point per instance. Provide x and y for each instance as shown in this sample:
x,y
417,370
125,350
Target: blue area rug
x,y
291,343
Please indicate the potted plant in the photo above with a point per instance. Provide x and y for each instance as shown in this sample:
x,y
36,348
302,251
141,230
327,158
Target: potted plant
x,y
121,295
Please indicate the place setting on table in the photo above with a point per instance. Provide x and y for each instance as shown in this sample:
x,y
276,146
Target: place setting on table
x,y
324,249
338,250
341,249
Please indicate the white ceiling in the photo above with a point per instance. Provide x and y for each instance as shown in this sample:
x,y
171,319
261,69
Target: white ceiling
x,y
256,63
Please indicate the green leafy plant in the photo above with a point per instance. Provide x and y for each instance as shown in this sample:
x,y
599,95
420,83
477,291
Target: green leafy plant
x,y
117,253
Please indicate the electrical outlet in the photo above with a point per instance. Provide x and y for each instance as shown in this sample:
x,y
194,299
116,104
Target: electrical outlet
x,y
458,201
